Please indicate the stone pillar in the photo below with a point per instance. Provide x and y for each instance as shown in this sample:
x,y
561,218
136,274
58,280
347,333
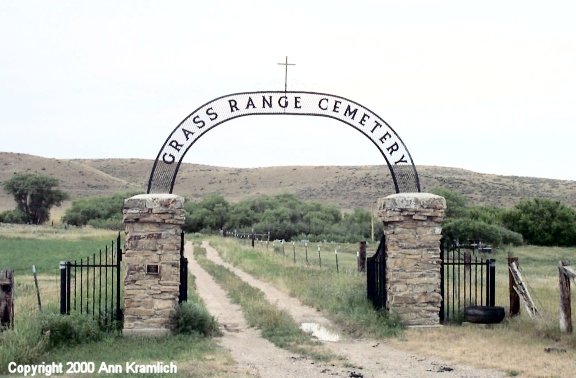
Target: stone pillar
x,y
153,223
412,225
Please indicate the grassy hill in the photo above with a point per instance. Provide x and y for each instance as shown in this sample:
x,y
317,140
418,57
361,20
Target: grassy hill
x,y
345,186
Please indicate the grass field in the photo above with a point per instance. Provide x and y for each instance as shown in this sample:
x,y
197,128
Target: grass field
x,y
518,346
339,257
22,246
342,294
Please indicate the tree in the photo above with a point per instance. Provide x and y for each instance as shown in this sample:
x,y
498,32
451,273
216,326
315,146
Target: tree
x,y
464,229
35,195
543,222
480,223
212,213
455,202
100,212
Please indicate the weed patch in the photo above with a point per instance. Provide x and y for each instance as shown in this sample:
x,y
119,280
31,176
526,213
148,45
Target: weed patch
x,y
68,330
192,318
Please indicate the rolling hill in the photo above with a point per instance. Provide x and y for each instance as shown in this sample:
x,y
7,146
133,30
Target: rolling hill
x,y
345,186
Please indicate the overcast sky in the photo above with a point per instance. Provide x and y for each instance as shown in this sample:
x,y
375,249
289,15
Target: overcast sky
x,y
488,86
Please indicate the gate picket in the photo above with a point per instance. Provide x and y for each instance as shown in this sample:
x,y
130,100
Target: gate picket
x,y
376,276
460,285
183,288
90,300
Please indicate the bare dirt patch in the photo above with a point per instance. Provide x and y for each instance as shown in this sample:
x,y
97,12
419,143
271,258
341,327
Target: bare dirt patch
x,y
372,358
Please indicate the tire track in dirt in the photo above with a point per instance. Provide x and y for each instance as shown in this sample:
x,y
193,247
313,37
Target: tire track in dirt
x,y
256,357
373,357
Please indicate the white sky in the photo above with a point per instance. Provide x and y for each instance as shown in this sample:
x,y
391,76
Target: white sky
x,y
488,86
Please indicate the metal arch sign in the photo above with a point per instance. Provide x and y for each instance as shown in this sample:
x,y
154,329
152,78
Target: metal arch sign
x,y
226,108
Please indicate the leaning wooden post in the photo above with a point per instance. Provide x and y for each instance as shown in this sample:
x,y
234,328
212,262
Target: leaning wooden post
x,y
565,309
513,294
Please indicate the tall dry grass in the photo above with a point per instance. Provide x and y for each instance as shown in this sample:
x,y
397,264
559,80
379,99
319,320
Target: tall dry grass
x,y
520,346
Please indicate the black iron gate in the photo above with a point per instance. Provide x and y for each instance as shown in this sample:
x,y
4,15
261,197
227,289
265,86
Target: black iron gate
x,y
92,285
376,276
468,278
183,293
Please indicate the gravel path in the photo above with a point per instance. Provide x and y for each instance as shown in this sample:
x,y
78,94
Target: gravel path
x,y
259,357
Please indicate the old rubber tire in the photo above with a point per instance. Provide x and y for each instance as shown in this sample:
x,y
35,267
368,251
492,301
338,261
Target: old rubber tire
x,y
484,314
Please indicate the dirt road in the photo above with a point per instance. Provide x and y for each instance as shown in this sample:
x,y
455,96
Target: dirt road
x,y
258,357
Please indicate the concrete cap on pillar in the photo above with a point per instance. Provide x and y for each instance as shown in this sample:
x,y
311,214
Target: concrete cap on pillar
x,y
407,201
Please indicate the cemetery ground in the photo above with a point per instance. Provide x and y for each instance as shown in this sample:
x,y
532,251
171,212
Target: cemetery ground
x,y
517,347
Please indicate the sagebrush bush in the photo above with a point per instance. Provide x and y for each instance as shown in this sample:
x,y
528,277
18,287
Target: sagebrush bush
x,y
192,318
69,329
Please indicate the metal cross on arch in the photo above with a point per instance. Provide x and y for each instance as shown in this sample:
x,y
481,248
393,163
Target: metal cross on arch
x,y
286,64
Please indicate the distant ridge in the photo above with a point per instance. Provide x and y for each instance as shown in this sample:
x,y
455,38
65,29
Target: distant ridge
x,y
345,186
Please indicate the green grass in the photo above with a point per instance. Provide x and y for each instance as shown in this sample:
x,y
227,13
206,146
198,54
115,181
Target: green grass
x,y
276,325
341,295
191,354
195,356
320,254
539,269
20,254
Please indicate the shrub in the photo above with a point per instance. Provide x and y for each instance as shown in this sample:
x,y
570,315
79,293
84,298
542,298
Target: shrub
x,y
511,237
192,318
113,223
463,229
13,216
456,206
543,222
69,329
103,212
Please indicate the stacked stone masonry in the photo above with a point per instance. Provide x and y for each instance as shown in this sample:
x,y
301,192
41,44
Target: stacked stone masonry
x,y
412,225
153,223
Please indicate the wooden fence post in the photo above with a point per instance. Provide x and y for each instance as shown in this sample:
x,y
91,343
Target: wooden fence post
x,y
6,300
336,254
565,309
362,257
514,297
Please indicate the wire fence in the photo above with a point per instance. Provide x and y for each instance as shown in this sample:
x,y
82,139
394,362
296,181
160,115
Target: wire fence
x,y
339,257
